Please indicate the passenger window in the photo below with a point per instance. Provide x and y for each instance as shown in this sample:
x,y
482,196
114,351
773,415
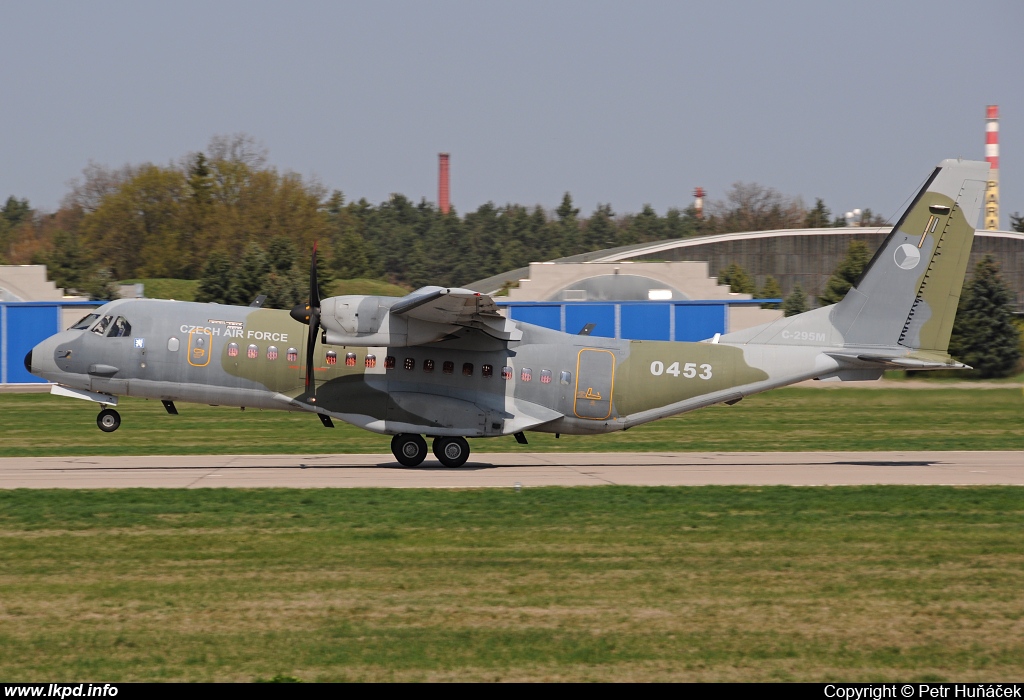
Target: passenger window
x,y
564,378
410,363
389,362
506,373
293,354
448,367
525,374
84,323
271,353
350,359
486,371
252,352
232,348
101,327
371,361
332,357
428,365
545,376
467,369
120,329
172,345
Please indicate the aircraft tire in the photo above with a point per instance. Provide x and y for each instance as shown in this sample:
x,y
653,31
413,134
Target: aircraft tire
x,y
108,420
451,451
409,449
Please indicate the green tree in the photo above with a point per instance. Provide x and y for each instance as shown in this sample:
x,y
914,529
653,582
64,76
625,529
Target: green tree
x,y
770,290
250,275
1017,222
846,274
600,231
737,279
984,335
215,284
568,226
796,302
818,217
69,266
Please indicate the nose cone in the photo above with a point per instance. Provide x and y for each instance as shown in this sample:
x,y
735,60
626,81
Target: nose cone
x,y
28,362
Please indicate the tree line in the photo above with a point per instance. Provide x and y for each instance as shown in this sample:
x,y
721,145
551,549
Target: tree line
x,y
202,215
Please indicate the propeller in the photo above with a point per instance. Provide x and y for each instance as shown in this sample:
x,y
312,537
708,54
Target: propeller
x,y
310,314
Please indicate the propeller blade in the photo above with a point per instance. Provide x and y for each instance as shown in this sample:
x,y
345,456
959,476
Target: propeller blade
x,y
311,315
314,288
314,330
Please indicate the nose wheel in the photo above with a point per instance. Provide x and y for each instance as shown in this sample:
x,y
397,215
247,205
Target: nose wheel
x,y
108,420
451,451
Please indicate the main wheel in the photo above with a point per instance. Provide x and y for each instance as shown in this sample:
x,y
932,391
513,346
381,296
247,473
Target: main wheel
x,y
108,420
451,451
409,449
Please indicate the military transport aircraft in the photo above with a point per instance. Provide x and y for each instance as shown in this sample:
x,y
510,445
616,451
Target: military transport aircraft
x,y
444,363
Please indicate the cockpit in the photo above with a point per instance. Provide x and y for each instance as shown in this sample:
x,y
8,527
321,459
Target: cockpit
x,y
109,325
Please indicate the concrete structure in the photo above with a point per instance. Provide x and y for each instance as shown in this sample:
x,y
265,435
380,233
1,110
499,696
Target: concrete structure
x,y
628,281
808,256
31,308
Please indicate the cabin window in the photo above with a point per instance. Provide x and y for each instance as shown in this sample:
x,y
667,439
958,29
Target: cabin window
x,y
293,354
232,347
371,361
350,359
564,378
428,366
84,323
409,364
389,362
525,374
172,345
120,328
506,373
332,357
272,353
101,327
467,369
545,376
486,371
252,352
448,367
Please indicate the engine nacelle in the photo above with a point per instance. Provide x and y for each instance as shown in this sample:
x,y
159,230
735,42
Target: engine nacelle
x,y
366,321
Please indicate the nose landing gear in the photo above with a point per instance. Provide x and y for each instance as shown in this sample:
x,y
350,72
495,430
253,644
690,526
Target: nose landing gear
x,y
108,420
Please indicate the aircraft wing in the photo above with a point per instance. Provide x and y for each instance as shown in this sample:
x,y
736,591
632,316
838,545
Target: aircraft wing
x,y
453,307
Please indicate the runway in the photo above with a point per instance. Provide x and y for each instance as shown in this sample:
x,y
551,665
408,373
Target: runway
x,y
527,469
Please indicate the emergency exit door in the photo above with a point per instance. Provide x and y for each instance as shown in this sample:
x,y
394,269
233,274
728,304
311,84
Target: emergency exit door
x,y
595,380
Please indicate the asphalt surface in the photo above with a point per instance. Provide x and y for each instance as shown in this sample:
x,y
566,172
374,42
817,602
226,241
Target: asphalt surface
x,y
528,469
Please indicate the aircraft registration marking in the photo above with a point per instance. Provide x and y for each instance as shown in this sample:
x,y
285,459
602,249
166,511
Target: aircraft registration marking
x,y
234,331
689,370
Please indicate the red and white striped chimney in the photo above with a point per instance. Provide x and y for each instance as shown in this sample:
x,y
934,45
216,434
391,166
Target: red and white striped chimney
x,y
992,156
442,184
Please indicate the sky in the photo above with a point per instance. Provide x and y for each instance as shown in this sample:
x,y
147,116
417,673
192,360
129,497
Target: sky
x,y
627,103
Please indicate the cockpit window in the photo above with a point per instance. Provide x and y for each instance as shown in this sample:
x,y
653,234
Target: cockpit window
x,y
101,327
84,323
120,328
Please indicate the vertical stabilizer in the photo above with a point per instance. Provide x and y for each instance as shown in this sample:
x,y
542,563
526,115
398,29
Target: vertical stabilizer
x,y
909,292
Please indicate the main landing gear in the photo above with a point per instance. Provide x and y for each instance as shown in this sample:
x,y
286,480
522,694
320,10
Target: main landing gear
x,y
410,450
108,420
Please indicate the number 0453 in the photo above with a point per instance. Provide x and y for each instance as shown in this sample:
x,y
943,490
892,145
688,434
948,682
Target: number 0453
x,y
688,371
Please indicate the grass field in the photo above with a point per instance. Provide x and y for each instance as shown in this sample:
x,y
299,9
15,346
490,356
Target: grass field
x,y
588,584
786,420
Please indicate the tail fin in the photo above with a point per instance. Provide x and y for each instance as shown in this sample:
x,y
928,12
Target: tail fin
x,y
908,294
909,291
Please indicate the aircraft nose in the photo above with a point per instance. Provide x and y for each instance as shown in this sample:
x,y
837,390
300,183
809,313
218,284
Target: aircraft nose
x,y
28,362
